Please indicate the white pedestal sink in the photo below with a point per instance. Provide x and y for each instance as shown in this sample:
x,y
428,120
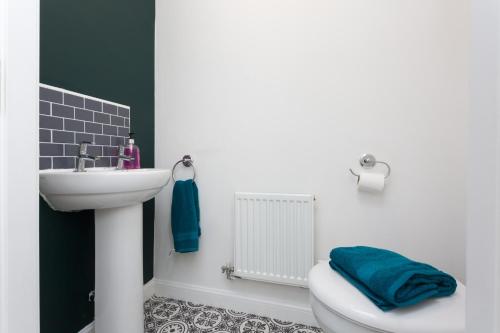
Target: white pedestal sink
x,y
117,197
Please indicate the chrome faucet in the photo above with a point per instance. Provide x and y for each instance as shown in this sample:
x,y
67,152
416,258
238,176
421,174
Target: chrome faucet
x,y
122,157
83,156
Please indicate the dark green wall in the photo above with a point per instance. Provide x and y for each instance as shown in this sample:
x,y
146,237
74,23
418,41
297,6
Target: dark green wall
x,y
102,48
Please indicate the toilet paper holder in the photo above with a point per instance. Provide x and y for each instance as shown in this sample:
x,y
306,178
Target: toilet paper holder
x,y
368,161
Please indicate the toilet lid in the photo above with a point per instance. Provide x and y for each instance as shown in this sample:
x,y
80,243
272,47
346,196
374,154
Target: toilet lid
x,y
439,315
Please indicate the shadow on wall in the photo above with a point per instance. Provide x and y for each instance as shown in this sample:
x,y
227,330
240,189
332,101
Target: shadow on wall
x,y
66,269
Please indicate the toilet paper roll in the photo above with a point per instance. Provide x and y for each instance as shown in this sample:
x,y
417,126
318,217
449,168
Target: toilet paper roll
x,y
371,182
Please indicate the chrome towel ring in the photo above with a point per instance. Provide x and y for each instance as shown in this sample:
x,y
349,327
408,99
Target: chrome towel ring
x,y
187,162
368,161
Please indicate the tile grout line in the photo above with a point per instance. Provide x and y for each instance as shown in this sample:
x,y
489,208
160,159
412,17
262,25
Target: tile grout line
x,y
86,121
62,90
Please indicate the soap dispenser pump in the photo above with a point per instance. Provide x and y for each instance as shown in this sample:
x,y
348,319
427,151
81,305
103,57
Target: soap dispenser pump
x,y
133,151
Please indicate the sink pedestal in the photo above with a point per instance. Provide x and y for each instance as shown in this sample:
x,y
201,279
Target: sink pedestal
x,y
117,197
118,270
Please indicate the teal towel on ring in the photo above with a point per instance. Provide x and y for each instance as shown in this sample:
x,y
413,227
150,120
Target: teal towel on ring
x,y
185,216
389,279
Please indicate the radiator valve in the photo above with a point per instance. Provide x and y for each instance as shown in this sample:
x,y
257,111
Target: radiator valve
x,y
228,269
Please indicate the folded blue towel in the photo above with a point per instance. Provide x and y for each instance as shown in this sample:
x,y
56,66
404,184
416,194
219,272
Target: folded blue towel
x,y
388,279
185,216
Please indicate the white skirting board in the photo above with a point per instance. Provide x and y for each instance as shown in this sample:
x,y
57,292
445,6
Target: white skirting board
x,y
88,329
237,302
149,291
224,298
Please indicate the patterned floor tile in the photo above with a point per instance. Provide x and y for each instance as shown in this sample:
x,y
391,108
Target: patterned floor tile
x,y
167,315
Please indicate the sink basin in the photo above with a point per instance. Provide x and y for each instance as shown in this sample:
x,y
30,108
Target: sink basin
x,y
99,188
117,197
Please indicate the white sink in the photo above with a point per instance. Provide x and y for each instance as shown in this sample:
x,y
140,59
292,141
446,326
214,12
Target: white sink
x,y
117,197
99,188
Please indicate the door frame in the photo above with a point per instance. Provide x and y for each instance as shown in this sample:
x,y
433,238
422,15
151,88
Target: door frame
x,y
19,236
483,191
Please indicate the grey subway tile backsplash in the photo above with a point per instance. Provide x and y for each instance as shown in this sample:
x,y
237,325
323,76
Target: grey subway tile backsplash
x,y
71,150
118,121
45,163
103,162
81,137
104,140
82,114
63,162
51,95
110,130
123,131
51,122
73,100
66,119
109,151
51,149
109,108
116,141
74,125
102,118
63,137
93,128
45,135
124,112
94,150
65,111
92,104
44,107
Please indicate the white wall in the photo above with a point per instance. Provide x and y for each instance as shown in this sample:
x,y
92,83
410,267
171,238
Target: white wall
x,y
19,273
284,96
483,231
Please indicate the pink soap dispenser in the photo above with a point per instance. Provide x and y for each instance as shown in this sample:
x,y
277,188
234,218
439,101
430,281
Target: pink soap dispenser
x,y
133,151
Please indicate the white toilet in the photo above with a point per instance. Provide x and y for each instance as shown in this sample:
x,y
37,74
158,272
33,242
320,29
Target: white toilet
x,y
341,308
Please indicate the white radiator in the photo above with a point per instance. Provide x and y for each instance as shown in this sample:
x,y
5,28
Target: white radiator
x,y
274,237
